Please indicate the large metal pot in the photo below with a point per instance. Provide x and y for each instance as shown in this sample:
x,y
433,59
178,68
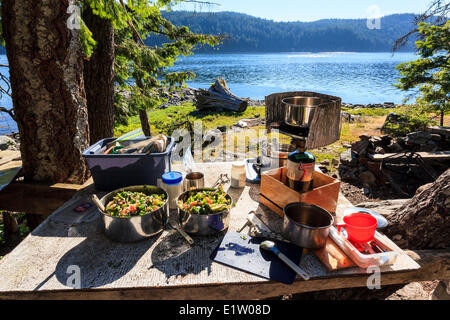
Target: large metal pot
x,y
135,228
203,225
306,225
299,111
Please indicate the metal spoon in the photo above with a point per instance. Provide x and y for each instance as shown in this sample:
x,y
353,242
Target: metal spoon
x,y
270,246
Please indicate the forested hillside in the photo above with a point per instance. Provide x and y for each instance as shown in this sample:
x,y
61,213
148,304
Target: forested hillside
x,y
245,33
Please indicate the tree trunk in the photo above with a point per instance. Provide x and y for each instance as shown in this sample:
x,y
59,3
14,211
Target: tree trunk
x,y
143,116
46,74
99,78
424,221
144,123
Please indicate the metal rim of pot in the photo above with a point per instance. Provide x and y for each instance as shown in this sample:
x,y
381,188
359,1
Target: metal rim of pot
x,y
305,204
184,222
181,196
130,188
135,228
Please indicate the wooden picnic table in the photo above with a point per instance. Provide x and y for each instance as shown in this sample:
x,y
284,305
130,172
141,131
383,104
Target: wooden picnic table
x,y
166,267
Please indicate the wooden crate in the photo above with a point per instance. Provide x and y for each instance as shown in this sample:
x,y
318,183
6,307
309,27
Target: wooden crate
x,y
275,195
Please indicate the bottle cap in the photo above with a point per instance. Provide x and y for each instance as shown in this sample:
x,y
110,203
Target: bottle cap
x,y
172,177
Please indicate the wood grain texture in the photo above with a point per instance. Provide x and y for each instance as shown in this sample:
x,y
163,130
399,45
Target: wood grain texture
x,y
325,126
164,267
276,195
36,198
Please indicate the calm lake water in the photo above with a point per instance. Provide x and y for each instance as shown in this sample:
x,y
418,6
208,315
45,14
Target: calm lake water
x,y
355,77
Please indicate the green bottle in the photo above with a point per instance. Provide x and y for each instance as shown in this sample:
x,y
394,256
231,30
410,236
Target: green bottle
x,y
300,169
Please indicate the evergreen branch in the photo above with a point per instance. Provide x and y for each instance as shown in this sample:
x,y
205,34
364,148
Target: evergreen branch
x,y
131,25
8,111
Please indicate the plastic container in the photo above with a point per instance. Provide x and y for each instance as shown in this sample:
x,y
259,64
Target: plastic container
x,y
238,175
366,260
114,171
172,183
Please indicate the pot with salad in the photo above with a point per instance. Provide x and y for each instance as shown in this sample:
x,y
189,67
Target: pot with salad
x,y
204,211
134,213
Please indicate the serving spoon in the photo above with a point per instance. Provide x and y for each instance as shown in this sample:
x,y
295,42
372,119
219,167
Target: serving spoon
x,y
270,246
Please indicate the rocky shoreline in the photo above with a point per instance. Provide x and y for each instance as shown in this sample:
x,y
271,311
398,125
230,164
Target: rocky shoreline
x,y
10,142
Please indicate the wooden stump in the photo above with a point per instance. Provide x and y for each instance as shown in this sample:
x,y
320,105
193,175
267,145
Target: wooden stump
x,y
325,126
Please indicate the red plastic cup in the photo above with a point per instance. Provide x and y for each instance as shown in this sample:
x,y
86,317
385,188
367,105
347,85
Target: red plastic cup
x,y
360,226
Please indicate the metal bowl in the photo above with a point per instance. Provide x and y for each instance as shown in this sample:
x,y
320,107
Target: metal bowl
x,y
306,225
135,228
203,225
299,111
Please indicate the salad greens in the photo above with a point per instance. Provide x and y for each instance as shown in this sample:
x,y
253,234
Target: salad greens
x,y
126,204
205,202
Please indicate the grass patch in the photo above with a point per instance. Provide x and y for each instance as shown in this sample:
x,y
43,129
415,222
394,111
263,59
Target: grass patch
x,y
371,112
159,119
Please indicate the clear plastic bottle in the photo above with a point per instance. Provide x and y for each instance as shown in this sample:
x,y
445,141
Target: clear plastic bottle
x,y
172,182
238,176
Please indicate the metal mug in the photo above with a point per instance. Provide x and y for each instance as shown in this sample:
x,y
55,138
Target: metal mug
x,y
306,225
194,180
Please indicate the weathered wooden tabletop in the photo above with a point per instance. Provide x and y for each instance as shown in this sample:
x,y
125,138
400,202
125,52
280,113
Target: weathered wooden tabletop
x,y
164,267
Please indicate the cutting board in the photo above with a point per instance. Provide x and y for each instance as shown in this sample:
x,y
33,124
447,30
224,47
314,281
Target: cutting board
x,y
333,257
241,251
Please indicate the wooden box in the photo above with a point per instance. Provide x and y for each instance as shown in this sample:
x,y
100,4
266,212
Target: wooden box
x,y
275,195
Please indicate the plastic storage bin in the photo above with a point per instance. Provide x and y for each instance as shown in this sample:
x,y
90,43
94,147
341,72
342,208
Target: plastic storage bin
x,y
114,171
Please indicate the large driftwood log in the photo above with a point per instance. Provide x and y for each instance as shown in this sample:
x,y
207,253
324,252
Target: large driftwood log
x,y
424,221
325,126
219,96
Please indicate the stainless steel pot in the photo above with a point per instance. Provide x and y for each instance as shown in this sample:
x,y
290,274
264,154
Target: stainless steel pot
x,y
306,225
135,228
299,111
275,154
203,225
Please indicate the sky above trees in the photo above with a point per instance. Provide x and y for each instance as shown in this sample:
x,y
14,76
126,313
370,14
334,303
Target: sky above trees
x,y
302,10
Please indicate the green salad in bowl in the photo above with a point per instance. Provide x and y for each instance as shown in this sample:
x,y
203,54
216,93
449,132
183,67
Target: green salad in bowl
x,y
205,202
127,204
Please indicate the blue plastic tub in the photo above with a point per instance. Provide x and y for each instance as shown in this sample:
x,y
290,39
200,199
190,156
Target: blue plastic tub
x,y
114,171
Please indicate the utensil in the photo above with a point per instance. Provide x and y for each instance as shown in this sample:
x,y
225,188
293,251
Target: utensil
x,y
299,111
270,246
200,224
243,252
177,227
306,225
98,203
360,227
194,180
223,179
135,228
